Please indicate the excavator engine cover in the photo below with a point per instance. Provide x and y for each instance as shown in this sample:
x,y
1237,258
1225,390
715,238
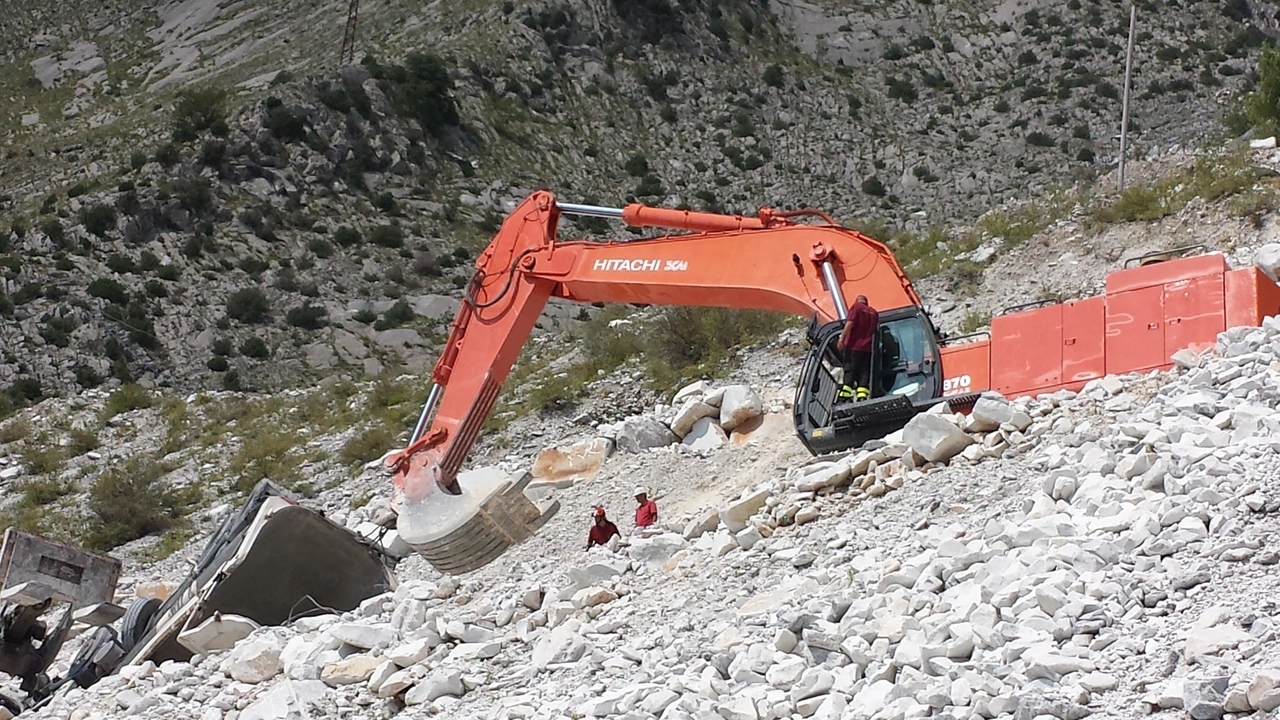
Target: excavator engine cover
x,y
461,533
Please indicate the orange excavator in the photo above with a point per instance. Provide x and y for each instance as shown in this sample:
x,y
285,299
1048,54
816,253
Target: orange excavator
x,y
774,262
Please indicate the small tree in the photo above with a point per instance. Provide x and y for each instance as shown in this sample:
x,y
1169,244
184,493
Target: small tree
x,y
1262,106
248,305
307,316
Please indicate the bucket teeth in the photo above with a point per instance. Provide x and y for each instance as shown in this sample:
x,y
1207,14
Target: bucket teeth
x,y
506,518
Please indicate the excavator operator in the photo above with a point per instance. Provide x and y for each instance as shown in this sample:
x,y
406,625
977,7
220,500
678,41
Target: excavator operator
x,y
855,345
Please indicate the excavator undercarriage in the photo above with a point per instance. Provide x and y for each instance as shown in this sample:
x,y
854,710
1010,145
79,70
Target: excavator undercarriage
x,y
461,521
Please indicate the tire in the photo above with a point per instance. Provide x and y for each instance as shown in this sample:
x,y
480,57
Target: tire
x,y
10,704
137,621
81,671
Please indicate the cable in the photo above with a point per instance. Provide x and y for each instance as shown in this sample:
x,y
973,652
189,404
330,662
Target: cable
x,y
511,273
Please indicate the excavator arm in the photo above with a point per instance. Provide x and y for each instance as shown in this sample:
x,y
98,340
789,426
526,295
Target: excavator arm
x,y
768,262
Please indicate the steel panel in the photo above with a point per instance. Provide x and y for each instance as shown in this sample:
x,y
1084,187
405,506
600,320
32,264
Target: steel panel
x,y
1194,314
1135,330
1026,350
1083,340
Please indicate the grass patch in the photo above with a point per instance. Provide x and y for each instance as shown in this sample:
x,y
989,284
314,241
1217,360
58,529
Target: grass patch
x,y
132,501
82,440
675,345
172,541
14,431
1211,177
43,459
30,511
266,454
974,321
127,398
368,445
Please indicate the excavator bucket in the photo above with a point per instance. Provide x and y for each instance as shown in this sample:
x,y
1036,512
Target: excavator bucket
x,y
461,533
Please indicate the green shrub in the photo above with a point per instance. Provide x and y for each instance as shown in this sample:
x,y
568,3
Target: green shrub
x,y
132,501
82,440
42,459
197,111
121,264
98,219
137,159
346,236
156,289
286,125
14,431
109,290
221,346
421,90
248,305
773,76
168,155
320,247
265,454
364,317
390,236
254,347
126,398
395,316
307,316
218,364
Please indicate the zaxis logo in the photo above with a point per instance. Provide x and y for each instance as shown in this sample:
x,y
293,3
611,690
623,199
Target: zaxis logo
x,y
641,265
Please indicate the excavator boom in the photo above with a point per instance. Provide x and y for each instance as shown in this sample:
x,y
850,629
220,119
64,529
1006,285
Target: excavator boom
x,y
767,262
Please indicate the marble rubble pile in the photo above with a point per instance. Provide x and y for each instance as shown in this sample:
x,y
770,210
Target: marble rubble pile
x,y
1117,562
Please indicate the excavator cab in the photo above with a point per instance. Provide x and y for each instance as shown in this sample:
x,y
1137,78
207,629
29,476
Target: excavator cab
x,y
906,379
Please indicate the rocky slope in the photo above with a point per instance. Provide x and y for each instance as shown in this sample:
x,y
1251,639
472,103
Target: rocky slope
x,y
1104,553
925,114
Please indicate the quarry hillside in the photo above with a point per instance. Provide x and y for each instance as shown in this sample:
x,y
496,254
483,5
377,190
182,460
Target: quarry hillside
x,y
200,195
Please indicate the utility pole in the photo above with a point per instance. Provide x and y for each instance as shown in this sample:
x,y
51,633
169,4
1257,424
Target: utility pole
x,y
1124,113
346,56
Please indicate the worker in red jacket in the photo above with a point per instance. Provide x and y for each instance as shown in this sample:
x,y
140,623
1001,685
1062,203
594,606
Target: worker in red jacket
x,y
646,509
855,345
602,530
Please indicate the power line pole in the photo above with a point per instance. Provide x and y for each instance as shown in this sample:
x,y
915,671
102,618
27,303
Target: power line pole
x,y
1124,113
346,56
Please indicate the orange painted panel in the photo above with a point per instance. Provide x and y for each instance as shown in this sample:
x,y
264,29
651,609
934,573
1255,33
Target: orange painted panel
x,y
1250,297
1165,272
966,368
1194,313
1083,340
1135,330
1026,350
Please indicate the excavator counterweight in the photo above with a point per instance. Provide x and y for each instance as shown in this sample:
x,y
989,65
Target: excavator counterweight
x,y
460,521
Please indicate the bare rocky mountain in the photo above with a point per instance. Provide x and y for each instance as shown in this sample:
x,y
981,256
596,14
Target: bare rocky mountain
x,y
198,195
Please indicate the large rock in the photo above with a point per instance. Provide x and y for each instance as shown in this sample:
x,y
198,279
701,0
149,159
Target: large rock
x,y
1267,259
1213,640
739,404
365,637
287,700
561,645
568,464
436,685
705,435
935,438
735,516
689,413
989,413
637,434
349,670
656,551
255,659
